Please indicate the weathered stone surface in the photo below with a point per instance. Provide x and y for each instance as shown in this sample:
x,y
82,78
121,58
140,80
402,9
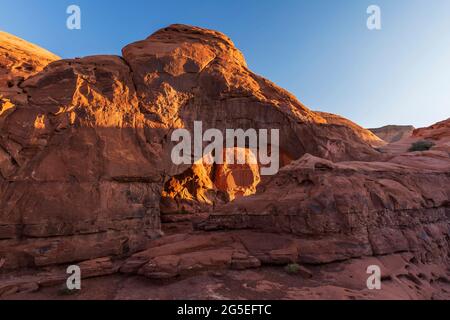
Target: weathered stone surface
x,y
186,254
55,276
85,159
393,133
349,209
87,152
438,134
223,93
364,134
19,60
202,187
402,277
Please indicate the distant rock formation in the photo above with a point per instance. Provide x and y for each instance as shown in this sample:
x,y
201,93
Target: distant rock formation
x,y
437,131
393,133
364,134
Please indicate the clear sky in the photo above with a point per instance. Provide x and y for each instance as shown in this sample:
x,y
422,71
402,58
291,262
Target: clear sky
x,y
320,50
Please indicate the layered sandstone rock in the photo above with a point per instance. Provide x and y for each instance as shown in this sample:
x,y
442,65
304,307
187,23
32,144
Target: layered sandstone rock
x,y
351,209
393,133
185,254
81,181
439,134
85,159
202,187
85,153
364,134
19,60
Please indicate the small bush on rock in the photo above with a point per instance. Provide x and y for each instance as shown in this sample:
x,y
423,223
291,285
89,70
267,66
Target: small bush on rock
x,y
292,268
422,145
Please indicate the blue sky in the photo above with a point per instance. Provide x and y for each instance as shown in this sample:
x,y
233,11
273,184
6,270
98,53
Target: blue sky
x,y
320,50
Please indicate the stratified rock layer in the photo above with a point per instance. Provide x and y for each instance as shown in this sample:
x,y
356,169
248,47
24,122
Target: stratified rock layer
x,y
85,152
351,209
19,59
393,133
365,134
85,159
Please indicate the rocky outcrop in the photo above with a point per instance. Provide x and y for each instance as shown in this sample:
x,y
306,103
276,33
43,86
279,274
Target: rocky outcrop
x,y
86,173
436,135
439,134
393,133
365,134
202,187
185,74
19,60
350,209
86,154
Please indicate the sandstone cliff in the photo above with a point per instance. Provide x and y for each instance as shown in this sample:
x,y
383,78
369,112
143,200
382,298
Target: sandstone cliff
x,y
86,155
85,170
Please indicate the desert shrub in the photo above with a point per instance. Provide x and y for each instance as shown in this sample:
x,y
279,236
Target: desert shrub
x,y
292,268
422,145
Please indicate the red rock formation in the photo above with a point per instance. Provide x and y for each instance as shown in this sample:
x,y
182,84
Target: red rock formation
x,y
184,73
393,133
85,156
364,134
439,134
238,180
203,186
19,60
349,209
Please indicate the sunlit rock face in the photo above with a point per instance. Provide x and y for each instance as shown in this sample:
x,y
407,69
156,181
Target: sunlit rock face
x,y
238,180
85,149
204,186
365,134
19,60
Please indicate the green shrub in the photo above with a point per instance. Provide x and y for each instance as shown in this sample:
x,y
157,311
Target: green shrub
x,y
292,268
422,145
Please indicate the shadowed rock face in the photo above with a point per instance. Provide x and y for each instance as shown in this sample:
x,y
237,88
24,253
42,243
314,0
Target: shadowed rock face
x,y
349,209
86,154
85,172
393,133
85,158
